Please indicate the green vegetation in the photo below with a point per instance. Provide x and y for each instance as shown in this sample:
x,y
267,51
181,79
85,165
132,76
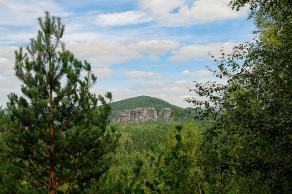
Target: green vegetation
x,y
141,102
57,136
248,149
144,160
178,113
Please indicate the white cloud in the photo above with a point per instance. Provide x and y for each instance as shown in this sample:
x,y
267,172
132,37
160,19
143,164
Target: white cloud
x,y
102,72
7,58
8,81
174,92
18,18
197,74
85,37
2,78
122,18
4,62
117,46
182,12
197,51
14,37
154,48
24,12
183,82
141,74
103,53
120,94
8,84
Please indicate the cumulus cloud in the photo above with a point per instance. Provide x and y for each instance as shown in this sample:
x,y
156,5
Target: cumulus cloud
x,y
8,81
197,51
18,18
4,62
122,18
141,74
8,37
85,37
174,91
120,94
196,74
2,78
165,12
104,53
23,12
8,84
154,48
7,60
182,12
102,72
108,46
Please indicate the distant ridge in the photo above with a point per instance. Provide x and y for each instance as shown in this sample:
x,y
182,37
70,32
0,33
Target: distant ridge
x,y
140,102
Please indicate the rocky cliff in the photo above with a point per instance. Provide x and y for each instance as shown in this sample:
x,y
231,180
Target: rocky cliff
x,y
140,115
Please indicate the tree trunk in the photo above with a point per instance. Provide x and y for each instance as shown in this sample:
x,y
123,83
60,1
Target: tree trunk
x,y
53,182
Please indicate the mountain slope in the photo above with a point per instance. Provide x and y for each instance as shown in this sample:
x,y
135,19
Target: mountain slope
x,y
140,102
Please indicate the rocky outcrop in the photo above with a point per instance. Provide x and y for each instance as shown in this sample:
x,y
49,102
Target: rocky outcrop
x,y
140,115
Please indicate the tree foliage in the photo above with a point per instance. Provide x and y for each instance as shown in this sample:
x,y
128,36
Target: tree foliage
x,y
155,157
248,149
176,169
60,131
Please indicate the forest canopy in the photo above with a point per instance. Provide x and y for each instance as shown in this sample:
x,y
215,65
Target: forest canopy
x,y
56,135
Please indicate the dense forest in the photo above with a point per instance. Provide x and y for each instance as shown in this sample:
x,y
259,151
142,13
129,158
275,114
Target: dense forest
x,y
56,136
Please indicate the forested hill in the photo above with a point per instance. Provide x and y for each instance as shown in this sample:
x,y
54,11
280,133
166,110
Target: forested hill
x,y
140,102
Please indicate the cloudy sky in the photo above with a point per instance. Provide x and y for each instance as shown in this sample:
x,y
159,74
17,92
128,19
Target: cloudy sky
x,y
136,47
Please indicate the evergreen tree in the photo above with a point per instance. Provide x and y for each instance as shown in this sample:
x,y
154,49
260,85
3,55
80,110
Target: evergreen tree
x,y
61,132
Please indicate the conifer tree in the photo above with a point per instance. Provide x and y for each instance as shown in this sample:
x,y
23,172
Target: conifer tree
x,y
61,130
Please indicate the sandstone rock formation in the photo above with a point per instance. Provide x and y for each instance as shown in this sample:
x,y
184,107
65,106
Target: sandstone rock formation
x,y
140,115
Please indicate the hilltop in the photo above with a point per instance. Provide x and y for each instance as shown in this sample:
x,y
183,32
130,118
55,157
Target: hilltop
x,y
141,102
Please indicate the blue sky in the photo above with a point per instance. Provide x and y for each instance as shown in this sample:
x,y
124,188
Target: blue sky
x,y
136,47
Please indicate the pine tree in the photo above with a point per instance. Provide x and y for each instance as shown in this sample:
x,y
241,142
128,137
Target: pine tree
x,y
61,130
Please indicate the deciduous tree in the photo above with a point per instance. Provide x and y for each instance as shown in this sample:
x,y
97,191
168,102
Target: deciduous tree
x,y
248,149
